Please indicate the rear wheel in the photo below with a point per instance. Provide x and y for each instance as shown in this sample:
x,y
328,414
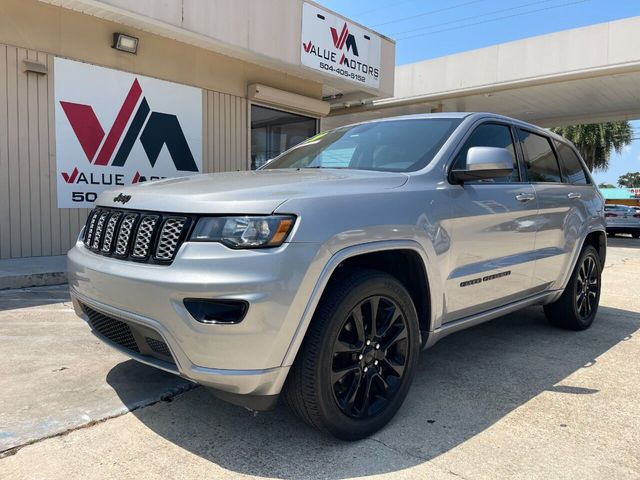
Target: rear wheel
x,y
358,358
577,307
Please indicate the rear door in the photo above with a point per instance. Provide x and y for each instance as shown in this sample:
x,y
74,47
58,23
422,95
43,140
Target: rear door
x,y
492,232
562,189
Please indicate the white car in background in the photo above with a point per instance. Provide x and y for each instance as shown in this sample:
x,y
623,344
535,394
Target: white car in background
x,y
622,219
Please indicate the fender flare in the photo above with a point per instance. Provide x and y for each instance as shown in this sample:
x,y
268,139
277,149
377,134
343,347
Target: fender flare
x,y
339,257
576,256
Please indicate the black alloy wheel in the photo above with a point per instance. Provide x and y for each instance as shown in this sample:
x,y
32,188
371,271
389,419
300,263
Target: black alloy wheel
x,y
369,357
587,287
577,307
359,355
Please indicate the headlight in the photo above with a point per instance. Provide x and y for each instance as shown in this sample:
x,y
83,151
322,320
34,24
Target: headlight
x,y
244,232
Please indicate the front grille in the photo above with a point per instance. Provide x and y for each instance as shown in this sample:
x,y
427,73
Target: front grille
x,y
145,235
124,234
114,330
107,243
138,236
99,226
169,238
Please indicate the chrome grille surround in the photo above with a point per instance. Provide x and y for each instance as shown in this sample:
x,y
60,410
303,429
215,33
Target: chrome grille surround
x,y
95,243
169,238
124,234
144,236
107,243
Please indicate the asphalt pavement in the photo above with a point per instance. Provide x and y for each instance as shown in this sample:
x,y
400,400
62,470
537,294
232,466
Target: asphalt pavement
x,y
512,398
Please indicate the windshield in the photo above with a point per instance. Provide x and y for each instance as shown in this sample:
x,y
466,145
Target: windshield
x,y
390,146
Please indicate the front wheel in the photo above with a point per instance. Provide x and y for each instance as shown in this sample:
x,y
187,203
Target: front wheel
x,y
577,307
358,358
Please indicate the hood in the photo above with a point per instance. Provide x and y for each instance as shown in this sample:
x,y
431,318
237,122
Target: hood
x,y
252,192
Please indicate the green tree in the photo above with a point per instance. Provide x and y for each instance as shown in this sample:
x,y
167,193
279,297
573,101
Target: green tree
x,y
596,141
630,180
606,185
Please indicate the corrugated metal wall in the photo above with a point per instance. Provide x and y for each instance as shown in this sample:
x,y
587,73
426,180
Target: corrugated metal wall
x,y
225,141
30,222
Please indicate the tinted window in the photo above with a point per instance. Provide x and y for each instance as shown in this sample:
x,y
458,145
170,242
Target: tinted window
x,y
392,146
542,165
273,131
490,135
571,164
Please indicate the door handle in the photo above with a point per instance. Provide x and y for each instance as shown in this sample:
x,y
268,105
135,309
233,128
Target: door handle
x,y
525,197
574,195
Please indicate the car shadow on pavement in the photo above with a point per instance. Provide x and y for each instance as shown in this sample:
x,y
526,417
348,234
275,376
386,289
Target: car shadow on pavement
x,y
463,385
13,299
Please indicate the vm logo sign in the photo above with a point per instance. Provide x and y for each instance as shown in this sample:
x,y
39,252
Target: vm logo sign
x,y
344,38
154,129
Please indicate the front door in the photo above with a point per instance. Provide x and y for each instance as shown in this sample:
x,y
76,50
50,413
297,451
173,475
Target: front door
x,y
493,232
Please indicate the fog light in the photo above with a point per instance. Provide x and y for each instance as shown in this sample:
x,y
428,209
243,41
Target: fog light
x,y
216,311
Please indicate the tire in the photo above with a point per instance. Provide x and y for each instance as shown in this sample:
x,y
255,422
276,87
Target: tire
x,y
335,402
577,307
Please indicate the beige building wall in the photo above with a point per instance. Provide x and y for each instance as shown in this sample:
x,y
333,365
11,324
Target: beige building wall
x,y
38,26
30,222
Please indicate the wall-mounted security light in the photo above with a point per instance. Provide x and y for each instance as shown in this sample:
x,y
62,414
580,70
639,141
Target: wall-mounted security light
x,y
125,43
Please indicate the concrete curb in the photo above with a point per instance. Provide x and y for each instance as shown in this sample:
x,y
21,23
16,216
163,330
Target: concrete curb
x,y
33,272
33,280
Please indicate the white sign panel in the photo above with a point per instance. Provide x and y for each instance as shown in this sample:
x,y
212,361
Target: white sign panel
x,y
115,128
332,45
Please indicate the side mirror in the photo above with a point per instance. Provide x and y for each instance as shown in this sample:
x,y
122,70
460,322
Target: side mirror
x,y
484,163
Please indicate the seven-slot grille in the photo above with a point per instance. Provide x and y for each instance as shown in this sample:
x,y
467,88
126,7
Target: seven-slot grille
x,y
132,235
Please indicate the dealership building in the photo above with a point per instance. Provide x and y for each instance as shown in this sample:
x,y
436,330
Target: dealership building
x,y
100,93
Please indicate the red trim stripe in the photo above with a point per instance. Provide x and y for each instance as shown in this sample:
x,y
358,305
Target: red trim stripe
x,y
119,124
343,36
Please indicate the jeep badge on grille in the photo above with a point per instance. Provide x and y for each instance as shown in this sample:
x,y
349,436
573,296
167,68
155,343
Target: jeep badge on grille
x,y
122,198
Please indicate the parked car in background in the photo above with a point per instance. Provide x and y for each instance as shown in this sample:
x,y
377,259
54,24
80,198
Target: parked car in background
x,y
323,274
622,219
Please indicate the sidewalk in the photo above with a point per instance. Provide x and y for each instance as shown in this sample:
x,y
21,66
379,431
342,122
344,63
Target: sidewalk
x,y
32,272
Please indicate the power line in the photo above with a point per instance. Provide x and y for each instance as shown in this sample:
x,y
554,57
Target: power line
x,y
502,10
395,4
493,19
429,13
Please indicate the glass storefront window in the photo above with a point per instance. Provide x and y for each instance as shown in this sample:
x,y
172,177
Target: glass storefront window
x,y
274,131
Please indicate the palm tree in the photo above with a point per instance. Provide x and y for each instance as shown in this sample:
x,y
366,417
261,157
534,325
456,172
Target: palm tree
x,y
630,180
596,141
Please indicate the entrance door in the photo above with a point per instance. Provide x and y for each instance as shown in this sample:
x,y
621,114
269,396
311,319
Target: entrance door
x,y
274,131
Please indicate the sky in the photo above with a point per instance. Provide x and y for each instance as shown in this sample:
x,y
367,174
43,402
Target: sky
x,y
425,29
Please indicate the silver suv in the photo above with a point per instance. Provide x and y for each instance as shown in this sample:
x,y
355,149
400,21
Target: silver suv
x,y
321,276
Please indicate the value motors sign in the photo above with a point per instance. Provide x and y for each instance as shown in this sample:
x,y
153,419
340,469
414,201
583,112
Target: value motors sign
x,y
115,128
335,46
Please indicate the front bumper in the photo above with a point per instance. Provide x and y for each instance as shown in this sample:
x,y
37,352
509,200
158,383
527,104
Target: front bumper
x,y
244,358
